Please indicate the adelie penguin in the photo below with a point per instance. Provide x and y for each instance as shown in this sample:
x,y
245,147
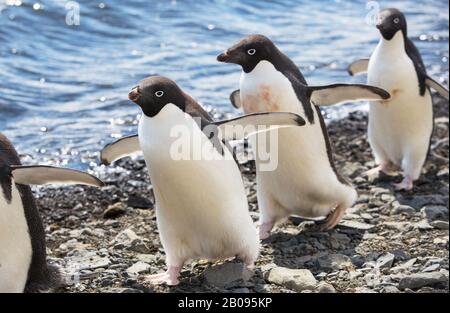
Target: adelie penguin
x,y
306,182
23,260
400,128
201,204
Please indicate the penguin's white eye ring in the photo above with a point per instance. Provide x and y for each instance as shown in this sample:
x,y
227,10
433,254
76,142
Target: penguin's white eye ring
x,y
159,93
251,51
396,20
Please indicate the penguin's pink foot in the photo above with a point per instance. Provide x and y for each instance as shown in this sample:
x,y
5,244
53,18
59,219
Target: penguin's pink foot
x,y
169,278
264,230
250,266
333,218
386,168
406,184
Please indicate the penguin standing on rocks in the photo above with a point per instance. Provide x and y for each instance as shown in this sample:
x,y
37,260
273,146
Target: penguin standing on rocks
x,y
201,205
23,259
400,129
306,182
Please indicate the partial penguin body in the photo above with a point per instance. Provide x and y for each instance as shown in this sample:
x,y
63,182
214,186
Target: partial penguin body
x,y
23,258
400,128
305,181
201,206
15,251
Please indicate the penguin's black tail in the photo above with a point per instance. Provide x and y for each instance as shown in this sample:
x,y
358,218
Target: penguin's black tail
x,y
51,279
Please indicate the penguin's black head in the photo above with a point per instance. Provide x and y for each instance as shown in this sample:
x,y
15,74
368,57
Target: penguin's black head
x,y
249,52
154,92
390,21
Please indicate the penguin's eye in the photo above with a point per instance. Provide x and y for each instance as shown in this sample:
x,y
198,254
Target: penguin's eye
x,y
251,51
396,20
159,93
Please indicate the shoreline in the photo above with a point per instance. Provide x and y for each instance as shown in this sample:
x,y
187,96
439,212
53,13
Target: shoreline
x,y
388,241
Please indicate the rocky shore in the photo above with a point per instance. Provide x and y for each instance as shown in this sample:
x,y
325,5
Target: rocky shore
x,y
388,242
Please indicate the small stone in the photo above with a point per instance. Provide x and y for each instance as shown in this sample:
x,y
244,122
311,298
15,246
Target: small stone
x,y
355,225
423,225
404,209
435,212
364,290
115,210
138,268
443,225
404,267
146,258
324,287
296,279
427,200
390,289
121,290
432,268
139,202
227,274
335,262
385,261
419,280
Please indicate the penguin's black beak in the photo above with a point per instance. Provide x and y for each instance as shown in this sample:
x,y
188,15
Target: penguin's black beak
x,y
223,57
134,94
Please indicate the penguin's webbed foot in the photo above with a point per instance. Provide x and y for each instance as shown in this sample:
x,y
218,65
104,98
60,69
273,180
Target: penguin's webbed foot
x,y
333,219
264,230
169,278
406,184
387,168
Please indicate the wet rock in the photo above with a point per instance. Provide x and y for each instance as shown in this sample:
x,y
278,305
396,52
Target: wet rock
x,y
114,210
227,274
420,201
435,212
419,280
295,279
139,202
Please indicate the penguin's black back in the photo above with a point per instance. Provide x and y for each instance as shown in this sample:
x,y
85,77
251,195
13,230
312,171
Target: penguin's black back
x,y
41,276
414,54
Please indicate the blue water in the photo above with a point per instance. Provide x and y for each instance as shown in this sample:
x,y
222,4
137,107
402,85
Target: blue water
x,y
63,88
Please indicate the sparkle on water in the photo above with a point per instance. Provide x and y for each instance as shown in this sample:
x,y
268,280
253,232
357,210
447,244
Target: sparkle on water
x,y
63,88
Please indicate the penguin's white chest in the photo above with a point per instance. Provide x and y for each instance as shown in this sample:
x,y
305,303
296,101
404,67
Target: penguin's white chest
x,y
303,181
201,204
402,125
15,244
267,90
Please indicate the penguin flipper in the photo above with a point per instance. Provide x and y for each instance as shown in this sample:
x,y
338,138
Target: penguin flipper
x,y
119,149
244,126
437,86
338,93
42,175
235,99
358,67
